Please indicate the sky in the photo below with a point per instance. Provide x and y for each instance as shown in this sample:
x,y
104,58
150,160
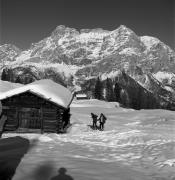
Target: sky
x,y
28,21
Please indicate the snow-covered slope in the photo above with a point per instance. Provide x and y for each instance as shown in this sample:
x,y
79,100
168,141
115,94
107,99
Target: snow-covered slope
x,y
166,78
135,145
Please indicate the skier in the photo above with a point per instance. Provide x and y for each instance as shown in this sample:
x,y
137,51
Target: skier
x,y
94,120
102,120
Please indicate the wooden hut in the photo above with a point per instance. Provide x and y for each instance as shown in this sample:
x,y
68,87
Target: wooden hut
x,y
41,106
81,96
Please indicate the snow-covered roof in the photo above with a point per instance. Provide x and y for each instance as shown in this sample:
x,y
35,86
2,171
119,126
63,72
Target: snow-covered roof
x,y
47,89
6,86
81,95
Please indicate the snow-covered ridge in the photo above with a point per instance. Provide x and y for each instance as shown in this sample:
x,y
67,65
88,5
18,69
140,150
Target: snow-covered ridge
x,y
79,48
69,41
24,55
9,50
129,51
84,37
162,76
149,41
111,75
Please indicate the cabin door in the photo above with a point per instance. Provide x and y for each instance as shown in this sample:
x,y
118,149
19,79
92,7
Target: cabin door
x,y
24,119
29,118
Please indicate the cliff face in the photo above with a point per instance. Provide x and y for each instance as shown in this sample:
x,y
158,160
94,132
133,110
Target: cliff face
x,y
120,48
74,57
8,53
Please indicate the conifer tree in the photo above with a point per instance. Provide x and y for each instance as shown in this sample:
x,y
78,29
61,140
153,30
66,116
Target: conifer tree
x,y
124,98
109,90
7,75
98,89
4,75
18,80
117,90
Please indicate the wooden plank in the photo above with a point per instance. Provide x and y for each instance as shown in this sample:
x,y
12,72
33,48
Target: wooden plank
x,y
50,127
2,122
25,109
9,128
50,130
50,124
50,114
41,118
50,117
49,109
49,120
5,107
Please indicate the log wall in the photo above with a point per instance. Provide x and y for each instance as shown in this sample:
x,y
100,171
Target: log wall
x,y
40,113
11,123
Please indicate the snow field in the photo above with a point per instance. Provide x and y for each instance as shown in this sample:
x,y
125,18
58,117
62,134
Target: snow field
x,y
135,145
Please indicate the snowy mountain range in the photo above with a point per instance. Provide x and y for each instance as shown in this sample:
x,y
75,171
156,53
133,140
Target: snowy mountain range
x,y
77,56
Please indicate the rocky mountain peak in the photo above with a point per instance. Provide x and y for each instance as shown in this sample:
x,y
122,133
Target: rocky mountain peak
x,y
96,30
88,53
62,30
8,53
122,30
118,48
149,41
10,47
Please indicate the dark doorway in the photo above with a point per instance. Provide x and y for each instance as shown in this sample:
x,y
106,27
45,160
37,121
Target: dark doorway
x,y
29,118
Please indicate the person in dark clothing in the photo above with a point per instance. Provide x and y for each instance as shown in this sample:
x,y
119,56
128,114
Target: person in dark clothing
x,y
102,120
62,175
94,120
